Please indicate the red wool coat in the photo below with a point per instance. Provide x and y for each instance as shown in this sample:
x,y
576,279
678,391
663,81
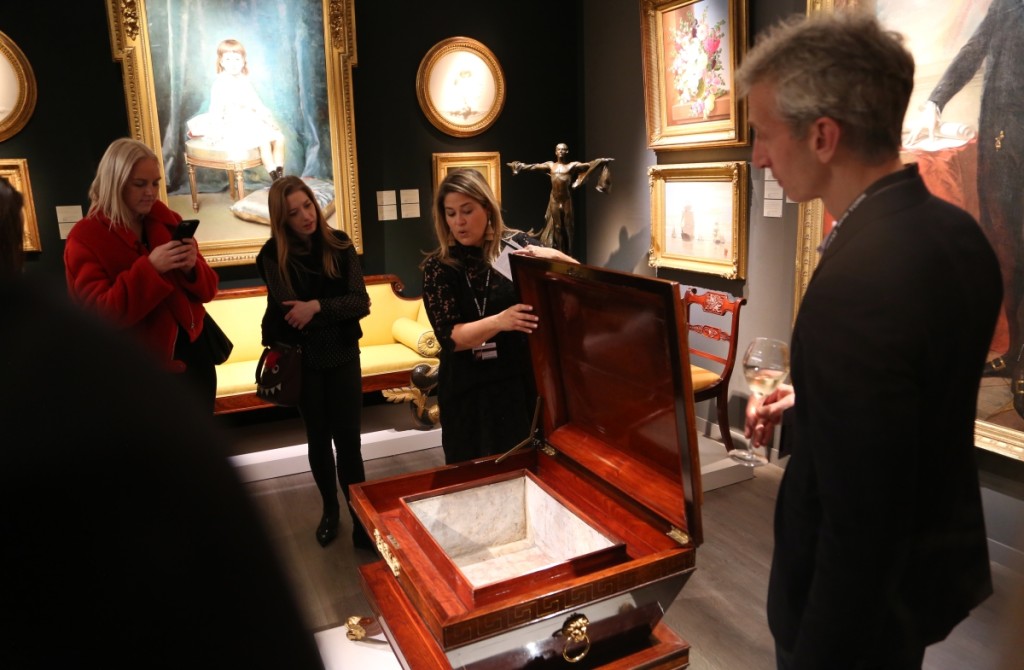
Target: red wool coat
x,y
108,270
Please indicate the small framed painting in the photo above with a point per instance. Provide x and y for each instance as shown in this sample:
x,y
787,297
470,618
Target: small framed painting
x,y
486,163
15,170
699,218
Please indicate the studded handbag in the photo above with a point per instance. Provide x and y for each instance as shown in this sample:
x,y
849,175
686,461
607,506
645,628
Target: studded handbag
x,y
279,375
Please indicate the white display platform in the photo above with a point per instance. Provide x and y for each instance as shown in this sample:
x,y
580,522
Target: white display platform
x,y
341,653
380,439
716,468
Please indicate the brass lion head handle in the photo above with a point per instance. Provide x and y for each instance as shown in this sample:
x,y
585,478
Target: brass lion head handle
x,y
575,631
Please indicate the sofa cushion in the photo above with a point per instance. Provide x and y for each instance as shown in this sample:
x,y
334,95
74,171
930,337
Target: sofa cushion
x,y
415,336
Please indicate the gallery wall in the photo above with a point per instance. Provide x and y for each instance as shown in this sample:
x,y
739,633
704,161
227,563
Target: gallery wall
x,y
619,223
573,73
536,43
79,110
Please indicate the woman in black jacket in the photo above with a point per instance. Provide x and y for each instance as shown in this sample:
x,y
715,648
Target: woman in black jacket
x,y
315,299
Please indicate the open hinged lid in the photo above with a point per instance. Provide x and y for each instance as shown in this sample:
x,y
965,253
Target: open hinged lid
x,y
609,360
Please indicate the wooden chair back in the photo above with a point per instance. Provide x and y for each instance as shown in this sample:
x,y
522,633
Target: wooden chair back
x,y
713,382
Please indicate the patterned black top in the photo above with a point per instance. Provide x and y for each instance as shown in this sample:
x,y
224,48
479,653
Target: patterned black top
x,y
332,336
485,405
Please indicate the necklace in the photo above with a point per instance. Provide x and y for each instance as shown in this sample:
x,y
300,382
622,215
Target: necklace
x,y
487,284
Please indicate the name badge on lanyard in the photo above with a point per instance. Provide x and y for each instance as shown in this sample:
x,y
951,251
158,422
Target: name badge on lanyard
x,y
487,350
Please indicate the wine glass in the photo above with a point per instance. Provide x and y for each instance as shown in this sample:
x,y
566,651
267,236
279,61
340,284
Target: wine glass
x,y
765,365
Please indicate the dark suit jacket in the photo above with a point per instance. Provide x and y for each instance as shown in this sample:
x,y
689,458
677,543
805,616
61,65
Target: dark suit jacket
x,y
879,534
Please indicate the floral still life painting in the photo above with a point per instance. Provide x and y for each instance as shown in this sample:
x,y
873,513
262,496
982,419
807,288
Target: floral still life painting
x,y
691,50
698,67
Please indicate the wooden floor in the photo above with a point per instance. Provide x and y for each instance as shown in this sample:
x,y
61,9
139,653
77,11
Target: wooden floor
x,y
720,612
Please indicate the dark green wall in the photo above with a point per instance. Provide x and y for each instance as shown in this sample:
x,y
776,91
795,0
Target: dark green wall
x,y
536,43
81,108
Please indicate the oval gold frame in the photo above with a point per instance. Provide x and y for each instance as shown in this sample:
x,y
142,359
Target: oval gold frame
x,y
437,80
25,101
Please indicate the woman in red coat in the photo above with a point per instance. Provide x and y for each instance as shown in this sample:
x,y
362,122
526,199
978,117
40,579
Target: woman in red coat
x,y
122,261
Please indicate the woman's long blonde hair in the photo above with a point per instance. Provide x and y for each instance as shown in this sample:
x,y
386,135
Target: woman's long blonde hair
x,y
287,241
106,194
473,185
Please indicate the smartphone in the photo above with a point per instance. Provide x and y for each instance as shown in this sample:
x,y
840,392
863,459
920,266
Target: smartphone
x,y
186,228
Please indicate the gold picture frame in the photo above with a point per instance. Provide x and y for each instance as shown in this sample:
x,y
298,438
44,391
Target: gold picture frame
x,y
691,50
699,218
460,87
815,222
17,89
487,163
15,170
131,46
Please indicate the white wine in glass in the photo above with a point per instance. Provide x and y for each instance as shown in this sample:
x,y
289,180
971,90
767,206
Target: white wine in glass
x,y
765,365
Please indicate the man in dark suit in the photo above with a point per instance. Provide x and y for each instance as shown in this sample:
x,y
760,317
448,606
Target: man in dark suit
x,y
880,545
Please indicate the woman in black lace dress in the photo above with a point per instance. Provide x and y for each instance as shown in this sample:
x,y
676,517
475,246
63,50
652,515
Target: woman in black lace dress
x,y
485,390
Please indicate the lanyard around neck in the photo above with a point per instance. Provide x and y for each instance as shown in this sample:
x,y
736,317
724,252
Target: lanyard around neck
x,y
872,190
835,229
487,284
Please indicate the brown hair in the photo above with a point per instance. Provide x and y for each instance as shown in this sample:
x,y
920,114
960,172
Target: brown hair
x,y
286,240
472,184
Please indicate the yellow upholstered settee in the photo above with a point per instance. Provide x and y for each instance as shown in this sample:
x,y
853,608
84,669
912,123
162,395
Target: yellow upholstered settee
x,y
397,337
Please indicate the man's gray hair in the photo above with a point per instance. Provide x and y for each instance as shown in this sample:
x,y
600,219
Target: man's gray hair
x,y
844,66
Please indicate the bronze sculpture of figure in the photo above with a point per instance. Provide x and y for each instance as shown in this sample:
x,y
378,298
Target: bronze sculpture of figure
x,y
565,175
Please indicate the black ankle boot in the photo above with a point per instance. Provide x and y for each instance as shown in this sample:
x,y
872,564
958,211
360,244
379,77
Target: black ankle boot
x,y
328,528
1017,389
1005,365
997,367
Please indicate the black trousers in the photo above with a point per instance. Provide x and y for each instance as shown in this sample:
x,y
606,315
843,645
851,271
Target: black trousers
x,y
331,406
